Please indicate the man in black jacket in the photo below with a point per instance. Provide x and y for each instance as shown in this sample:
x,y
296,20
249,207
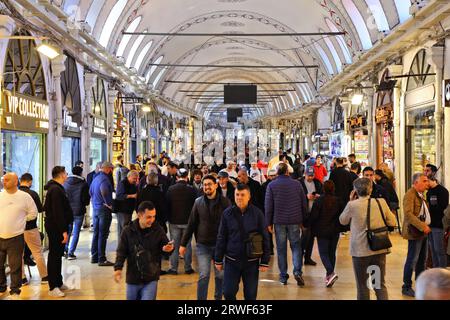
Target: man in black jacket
x,y
58,217
150,237
237,223
225,186
32,236
255,188
377,191
180,200
125,202
313,189
204,223
77,190
342,180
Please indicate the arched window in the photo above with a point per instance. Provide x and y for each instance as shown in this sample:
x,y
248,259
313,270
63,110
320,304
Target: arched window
x,y
134,48
70,90
422,71
334,53
142,55
340,40
324,57
153,68
94,12
358,22
158,77
403,10
98,101
378,13
126,38
111,21
23,71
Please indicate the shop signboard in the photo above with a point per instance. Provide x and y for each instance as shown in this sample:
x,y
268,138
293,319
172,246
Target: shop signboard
x,y
361,141
24,113
336,144
99,126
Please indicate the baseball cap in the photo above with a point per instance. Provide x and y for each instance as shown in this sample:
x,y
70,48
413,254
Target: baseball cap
x,y
310,171
223,174
107,164
183,173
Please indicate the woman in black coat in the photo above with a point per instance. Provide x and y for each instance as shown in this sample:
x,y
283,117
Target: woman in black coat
x,y
153,192
325,226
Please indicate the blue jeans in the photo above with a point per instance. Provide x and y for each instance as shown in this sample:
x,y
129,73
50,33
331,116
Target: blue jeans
x,y
142,291
327,251
74,234
176,233
233,272
102,223
282,234
436,238
415,260
205,256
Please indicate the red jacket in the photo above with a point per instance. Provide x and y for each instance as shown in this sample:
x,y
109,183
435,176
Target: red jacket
x,y
320,172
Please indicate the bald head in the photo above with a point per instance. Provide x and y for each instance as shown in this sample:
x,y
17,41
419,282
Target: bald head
x,y
10,182
243,176
433,284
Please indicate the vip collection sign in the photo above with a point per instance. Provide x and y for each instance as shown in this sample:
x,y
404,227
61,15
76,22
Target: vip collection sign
x,y
25,113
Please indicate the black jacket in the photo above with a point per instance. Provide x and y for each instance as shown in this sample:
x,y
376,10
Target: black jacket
x,y
317,184
90,177
393,198
33,223
205,219
121,203
230,191
180,200
229,239
77,190
379,192
154,239
156,196
58,212
343,183
162,182
324,219
256,193
437,198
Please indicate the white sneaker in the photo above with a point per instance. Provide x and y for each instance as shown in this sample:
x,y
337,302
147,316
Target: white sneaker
x,y
56,293
13,296
64,288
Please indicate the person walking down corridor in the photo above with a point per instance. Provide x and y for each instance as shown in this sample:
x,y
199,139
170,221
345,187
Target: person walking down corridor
x,y
285,206
125,202
364,213
204,223
77,190
240,222
101,193
58,217
16,208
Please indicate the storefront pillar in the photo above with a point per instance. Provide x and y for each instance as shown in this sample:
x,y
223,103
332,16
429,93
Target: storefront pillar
x,y
347,140
90,80
112,96
436,59
371,126
446,164
56,115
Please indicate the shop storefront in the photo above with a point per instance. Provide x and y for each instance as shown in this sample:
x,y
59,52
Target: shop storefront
x,y
120,135
98,152
24,111
360,138
420,121
133,134
71,99
384,119
144,136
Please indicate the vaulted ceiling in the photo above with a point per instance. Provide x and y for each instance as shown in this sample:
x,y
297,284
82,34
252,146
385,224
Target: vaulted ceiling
x,y
361,20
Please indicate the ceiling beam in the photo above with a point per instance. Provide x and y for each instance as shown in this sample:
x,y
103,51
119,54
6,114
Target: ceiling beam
x,y
232,66
239,83
180,34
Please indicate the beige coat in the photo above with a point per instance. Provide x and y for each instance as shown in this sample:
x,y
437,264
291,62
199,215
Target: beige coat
x,y
412,204
446,223
355,213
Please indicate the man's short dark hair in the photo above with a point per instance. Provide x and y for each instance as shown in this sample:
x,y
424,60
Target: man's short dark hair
x,y
57,171
307,156
242,186
77,163
339,160
78,171
26,177
433,168
209,177
351,155
318,156
172,164
282,169
368,169
197,172
356,166
145,205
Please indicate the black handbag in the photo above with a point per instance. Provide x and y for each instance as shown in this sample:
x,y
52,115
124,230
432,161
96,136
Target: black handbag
x,y
378,238
253,243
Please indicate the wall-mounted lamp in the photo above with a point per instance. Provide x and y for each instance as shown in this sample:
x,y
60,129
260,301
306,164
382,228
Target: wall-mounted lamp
x,y
47,50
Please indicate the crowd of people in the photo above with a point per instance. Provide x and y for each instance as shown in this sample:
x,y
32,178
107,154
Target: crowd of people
x,y
238,214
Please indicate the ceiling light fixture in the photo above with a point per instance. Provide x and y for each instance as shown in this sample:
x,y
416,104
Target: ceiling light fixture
x,y
47,50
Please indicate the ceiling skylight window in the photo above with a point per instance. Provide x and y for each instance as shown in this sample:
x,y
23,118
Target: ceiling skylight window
x,y
153,68
403,10
142,55
334,53
126,38
158,77
324,57
378,13
94,12
111,22
359,23
341,41
134,48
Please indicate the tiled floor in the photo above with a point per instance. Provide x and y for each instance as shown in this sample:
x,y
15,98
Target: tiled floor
x,y
96,283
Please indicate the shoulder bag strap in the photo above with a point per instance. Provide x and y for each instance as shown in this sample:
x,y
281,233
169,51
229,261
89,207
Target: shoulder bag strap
x,y
368,215
381,212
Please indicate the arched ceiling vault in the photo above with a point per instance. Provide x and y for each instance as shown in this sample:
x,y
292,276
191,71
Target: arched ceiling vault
x,y
360,20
